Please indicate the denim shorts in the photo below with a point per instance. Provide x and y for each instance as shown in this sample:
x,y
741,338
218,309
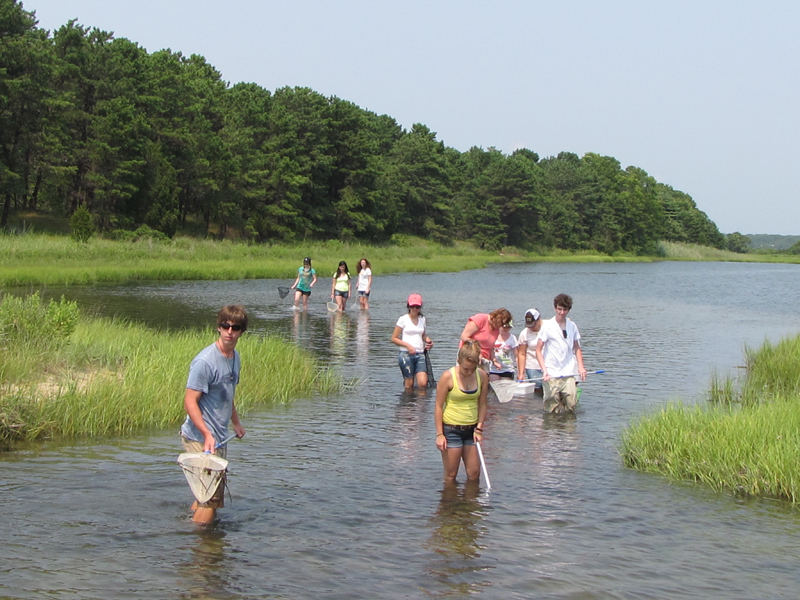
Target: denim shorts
x,y
344,295
411,364
363,294
535,374
458,435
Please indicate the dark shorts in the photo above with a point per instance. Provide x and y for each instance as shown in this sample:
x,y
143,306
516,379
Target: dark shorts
x,y
505,375
363,294
305,293
344,295
458,435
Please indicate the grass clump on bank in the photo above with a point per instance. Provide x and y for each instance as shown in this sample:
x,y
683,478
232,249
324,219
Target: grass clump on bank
x,y
114,377
746,439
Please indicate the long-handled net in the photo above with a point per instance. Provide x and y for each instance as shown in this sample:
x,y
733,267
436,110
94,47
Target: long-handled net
x,y
429,370
204,472
283,291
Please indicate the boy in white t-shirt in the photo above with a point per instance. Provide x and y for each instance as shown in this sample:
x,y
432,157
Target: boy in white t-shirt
x,y
559,353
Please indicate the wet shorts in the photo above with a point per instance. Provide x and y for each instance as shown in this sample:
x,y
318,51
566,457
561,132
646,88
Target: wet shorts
x,y
411,364
458,435
218,499
504,375
535,374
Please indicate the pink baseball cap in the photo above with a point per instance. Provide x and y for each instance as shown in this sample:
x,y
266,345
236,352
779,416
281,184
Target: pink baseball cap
x,y
414,300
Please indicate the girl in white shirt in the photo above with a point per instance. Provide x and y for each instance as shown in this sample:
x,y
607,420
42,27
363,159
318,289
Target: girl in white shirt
x,y
409,333
364,285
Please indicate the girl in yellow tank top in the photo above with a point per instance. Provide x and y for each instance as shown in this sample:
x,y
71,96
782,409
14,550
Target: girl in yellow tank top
x,y
461,406
459,413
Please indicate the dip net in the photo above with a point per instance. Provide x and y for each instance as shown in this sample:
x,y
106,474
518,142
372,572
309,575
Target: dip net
x,y
204,472
506,389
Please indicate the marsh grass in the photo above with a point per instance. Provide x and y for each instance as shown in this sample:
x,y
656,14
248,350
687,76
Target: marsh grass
x,y
116,377
693,252
746,440
40,259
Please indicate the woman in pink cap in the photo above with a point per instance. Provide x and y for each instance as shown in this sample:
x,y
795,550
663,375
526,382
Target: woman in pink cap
x,y
409,334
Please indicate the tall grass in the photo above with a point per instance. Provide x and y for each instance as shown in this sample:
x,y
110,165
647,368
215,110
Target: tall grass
x,y
694,252
57,260
115,377
39,259
746,440
753,450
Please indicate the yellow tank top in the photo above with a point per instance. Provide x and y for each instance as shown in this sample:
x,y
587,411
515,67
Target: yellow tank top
x,y
461,408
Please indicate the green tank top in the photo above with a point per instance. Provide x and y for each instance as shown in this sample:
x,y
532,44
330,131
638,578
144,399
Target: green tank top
x,y
461,408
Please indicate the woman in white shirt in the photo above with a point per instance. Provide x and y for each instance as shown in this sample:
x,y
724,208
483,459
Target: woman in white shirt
x,y
364,285
409,333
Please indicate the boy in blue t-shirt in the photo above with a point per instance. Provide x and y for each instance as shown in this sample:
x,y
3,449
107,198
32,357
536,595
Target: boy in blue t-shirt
x,y
208,400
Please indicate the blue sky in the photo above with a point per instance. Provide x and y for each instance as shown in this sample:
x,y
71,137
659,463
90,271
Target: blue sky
x,y
703,95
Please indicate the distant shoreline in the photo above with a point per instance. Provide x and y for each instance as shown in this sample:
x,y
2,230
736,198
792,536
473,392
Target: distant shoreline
x,y
41,259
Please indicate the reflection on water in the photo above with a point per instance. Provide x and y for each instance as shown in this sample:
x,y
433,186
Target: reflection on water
x,y
362,339
206,575
299,326
456,532
340,327
413,414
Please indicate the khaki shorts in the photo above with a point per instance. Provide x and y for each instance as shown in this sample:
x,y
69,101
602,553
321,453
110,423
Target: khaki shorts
x,y
560,395
218,499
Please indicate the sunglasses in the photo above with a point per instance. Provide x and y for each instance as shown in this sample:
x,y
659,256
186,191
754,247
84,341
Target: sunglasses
x,y
231,326
564,331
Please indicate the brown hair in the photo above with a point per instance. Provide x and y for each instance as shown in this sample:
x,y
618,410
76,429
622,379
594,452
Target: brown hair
x,y
358,266
564,300
471,351
500,317
233,313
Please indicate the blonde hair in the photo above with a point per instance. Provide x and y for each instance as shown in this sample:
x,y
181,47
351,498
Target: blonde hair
x,y
471,351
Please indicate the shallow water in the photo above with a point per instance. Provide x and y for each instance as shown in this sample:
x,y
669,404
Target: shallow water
x,y
341,497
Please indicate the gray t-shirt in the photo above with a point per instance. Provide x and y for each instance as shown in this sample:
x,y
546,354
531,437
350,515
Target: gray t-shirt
x,y
217,377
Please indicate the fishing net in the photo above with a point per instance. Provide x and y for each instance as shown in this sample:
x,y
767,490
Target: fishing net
x,y
429,370
204,472
283,291
506,389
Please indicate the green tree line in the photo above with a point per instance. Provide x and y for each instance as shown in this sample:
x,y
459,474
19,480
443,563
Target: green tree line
x,y
96,122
